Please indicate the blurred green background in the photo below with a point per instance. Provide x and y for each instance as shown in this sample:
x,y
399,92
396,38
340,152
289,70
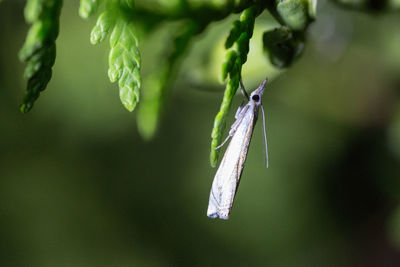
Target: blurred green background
x,y
80,187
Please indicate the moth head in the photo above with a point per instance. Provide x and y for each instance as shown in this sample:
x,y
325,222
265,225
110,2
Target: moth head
x,y
257,94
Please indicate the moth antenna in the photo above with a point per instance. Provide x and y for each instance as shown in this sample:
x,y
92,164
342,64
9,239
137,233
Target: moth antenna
x,y
265,136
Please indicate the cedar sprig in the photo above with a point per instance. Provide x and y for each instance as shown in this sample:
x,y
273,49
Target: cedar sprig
x,y
39,49
88,7
157,90
237,45
124,57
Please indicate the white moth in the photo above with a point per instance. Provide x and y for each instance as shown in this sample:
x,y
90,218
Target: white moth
x,y
227,178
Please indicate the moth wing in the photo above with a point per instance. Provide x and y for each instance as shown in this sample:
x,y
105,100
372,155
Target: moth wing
x,y
227,178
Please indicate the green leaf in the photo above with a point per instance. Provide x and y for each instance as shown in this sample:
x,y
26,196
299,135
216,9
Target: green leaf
x,y
104,25
238,41
158,84
124,63
124,57
150,106
220,119
88,7
295,13
237,28
33,10
39,50
237,44
128,3
283,46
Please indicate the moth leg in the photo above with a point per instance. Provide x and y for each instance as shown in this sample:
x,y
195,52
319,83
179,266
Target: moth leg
x,y
237,115
244,93
240,108
223,143
233,129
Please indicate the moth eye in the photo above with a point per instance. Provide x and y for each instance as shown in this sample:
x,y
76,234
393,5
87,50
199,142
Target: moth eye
x,y
255,98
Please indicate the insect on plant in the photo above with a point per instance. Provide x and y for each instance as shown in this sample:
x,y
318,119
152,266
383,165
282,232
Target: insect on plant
x,y
227,178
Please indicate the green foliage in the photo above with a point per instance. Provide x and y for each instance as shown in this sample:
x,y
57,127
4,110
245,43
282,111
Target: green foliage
x,y
39,49
124,58
88,7
119,22
159,82
237,44
294,13
104,25
124,63
116,23
127,3
283,46
220,119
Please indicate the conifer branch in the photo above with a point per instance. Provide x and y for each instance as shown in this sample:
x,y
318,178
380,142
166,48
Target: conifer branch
x,y
39,49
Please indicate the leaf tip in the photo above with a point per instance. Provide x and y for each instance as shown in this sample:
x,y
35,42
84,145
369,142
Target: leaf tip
x,y
25,107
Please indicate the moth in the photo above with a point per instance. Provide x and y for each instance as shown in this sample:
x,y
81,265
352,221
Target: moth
x,y
227,177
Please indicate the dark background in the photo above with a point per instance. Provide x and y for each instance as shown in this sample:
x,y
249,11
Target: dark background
x,y
80,187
